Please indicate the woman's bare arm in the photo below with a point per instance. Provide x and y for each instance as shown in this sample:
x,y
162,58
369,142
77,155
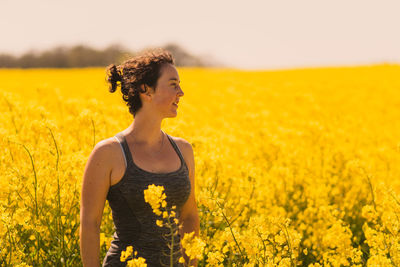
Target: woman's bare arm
x,y
95,185
189,216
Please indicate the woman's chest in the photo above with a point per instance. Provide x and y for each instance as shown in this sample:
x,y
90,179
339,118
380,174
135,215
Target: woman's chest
x,y
176,187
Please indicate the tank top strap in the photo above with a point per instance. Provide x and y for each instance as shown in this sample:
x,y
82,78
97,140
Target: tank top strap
x,y
122,140
178,151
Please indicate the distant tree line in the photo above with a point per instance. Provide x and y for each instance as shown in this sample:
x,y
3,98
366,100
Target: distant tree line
x,y
80,56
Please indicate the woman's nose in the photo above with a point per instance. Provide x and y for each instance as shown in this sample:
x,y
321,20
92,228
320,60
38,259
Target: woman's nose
x,y
181,93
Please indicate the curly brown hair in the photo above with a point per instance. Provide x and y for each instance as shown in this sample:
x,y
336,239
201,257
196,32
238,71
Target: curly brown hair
x,y
144,68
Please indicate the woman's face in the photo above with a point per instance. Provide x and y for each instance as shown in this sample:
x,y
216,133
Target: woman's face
x,y
168,92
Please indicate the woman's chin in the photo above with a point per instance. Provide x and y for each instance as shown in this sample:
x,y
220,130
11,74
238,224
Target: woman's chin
x,y
173,114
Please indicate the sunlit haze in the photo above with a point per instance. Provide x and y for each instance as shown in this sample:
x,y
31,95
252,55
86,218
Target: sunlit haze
x,y
242,34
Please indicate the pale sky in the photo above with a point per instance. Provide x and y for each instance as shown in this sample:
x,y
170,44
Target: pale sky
x,y
244,34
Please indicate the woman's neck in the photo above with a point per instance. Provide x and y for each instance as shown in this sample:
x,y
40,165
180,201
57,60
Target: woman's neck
x,y
145,131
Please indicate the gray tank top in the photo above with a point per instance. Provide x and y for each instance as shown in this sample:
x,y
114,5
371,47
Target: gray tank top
x,y
134,220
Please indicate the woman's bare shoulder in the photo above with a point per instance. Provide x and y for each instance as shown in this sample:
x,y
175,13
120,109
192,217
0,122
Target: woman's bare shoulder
x,y
106,146
182,143
96,180
186,149
105,151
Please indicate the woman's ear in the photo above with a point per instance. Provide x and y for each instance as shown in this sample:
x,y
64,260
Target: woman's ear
x,y
147,94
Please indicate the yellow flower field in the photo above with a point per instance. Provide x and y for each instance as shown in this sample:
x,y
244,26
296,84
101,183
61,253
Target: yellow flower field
x,y
293,167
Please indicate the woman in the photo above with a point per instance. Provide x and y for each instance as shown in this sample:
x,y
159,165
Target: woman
x,y
121,167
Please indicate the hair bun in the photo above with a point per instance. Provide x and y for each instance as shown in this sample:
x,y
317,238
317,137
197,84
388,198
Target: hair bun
x,y
113,76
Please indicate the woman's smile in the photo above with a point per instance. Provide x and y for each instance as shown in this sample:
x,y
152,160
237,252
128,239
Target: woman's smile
x,y
176,103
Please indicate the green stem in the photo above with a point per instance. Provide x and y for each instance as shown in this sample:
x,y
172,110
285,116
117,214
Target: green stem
x,y
372,191
35,180
265,248
12,114
59,228
290,246
230,228
94,132
171,262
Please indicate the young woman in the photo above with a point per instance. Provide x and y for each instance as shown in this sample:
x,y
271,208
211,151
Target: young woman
x,y
120,168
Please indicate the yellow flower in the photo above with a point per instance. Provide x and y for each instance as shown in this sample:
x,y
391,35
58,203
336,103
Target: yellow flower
x,y
126,253
123,256
157,212
173,213
103,239
215,258
318,170
129,250
193,245
159,223
154,196
139,262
